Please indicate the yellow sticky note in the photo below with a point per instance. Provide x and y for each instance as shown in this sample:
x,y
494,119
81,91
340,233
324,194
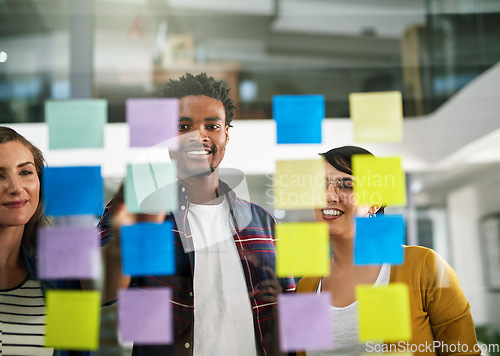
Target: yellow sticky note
x,y
73,319
300,184
302,249
377,117
379,180
384,312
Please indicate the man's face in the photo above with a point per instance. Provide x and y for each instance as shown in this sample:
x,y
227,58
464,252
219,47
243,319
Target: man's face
x,y
203,135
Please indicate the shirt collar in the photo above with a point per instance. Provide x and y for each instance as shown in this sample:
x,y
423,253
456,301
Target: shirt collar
x,y
223,188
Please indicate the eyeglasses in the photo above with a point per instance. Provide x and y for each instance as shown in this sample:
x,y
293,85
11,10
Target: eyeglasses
x,y
343,186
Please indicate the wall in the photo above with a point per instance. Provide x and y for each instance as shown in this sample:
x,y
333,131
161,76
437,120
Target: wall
x,y
465,249
466,207
488,193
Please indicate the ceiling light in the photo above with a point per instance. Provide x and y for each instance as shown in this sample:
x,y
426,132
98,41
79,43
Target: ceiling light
x,y
3,57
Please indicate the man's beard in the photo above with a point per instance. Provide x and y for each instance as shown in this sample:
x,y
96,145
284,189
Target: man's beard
x,y
188,169
204,173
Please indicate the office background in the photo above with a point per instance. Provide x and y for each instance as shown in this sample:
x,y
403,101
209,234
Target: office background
x,y
441,54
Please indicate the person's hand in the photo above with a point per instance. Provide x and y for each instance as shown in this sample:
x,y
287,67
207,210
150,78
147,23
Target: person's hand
x,y
270,287
114,277
121,217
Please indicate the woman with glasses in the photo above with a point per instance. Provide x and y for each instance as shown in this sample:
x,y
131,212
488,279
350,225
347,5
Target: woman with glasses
x,y
439,310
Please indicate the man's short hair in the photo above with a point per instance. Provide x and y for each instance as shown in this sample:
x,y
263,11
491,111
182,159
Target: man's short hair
x,y
200,84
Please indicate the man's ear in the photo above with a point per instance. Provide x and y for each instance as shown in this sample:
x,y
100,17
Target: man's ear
x,y
227,133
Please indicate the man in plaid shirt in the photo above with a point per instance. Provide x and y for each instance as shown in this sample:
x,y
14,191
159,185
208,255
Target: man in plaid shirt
x,y
225,303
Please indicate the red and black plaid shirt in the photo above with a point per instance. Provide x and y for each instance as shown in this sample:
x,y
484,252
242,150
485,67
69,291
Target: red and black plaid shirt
x,y
253,231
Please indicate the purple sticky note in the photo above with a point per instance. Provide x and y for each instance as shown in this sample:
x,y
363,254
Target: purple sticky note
x,y
153,122
145,316
68,252
305,322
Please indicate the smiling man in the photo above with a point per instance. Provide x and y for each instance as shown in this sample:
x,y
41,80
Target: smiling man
x,y
225,289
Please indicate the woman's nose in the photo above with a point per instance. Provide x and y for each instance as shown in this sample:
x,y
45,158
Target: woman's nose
x,y
14,185
331,194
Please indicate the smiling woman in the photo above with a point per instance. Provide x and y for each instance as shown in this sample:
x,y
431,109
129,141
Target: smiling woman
x,y
21,166
22,305
440,313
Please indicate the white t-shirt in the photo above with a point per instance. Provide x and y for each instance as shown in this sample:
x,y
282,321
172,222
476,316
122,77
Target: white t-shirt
x,y
223,321
345,324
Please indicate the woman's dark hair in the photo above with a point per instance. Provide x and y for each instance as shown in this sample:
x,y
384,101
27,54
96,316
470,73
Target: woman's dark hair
x,y
341,159
29,234
201,84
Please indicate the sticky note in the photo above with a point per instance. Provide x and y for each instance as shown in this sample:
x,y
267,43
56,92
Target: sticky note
x,y
151,187
299,184
379,181
73,191
66,252
72,320
76,123
153,121
145,316
298,118
305,322
148,249
384,312
302,249
377,117
379,240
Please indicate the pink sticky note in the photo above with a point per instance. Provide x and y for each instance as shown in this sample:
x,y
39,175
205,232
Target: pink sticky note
x,y
68,252
153,122
305,322
145,316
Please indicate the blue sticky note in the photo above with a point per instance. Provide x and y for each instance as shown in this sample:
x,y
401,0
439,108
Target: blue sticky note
x,y
379,240
148,249
298,118
73,191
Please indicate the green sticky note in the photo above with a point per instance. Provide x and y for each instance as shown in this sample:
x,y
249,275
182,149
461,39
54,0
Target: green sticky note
x,y
76,123
151,187
384,313
379,181
300,184
72,320
302,249
377,117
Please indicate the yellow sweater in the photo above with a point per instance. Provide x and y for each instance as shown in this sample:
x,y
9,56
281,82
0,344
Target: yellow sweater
x,y
439,310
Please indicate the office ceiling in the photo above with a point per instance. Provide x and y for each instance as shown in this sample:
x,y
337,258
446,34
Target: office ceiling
x,y
346,28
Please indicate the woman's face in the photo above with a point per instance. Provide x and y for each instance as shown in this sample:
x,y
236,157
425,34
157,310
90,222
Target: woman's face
x,y
341,207
19,184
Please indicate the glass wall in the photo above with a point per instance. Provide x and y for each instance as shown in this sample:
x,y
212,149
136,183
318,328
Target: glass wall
x,y
427,49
